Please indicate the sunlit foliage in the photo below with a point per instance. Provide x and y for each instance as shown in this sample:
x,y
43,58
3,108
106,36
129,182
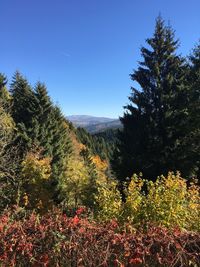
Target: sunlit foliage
x,y
36,172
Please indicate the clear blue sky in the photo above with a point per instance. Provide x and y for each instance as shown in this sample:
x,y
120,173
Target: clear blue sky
x,y
84,50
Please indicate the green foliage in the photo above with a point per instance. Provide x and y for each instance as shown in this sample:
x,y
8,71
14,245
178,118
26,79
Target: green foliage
x,y
5,97
40,124
101,144
3,81
6,121
60,143
156,122
192,141
9,182
23,100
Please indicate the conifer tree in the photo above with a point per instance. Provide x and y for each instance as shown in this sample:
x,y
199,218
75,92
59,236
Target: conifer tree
x,y
53,132
3,80
23,104
23,100
193,143
5,97
60,143
40,125
9,182
154,122
91,186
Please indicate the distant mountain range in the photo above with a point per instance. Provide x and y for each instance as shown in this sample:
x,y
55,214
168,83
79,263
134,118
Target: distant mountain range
x,y
94,124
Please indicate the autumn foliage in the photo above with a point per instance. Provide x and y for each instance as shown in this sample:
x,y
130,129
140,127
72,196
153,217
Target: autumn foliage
x,y
35,173
169,202
56,240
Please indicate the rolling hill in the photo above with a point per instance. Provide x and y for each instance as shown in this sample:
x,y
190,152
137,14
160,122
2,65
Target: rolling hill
x,y
94,124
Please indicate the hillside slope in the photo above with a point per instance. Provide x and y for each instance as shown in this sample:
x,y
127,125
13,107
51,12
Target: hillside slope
x,y
94,124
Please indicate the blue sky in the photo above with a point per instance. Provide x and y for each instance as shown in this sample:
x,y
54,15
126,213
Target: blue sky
x,y
84,50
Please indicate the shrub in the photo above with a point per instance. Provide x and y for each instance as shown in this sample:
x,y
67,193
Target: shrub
x,y
170,202
109,203
56,240
134,200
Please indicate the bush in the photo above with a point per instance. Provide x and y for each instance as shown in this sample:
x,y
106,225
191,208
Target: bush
x,y
55,240
109,203
134,200
170,202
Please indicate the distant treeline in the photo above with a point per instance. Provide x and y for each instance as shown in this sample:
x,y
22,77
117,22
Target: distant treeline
x,y
102,143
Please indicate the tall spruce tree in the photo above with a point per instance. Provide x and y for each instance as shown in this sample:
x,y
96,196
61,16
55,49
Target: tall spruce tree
x,y
61,143
40,124
193,140
4,94
23,100
23,106
3,80
9,182
155,121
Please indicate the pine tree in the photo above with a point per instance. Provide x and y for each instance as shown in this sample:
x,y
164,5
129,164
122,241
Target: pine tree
x,y
23,104
61,143
23,100
40,125
101,144
192,141
5,97
52,133
154,122
9,182
3,80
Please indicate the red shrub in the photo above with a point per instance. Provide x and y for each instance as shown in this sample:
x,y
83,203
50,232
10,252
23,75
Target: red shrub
x,y
55,240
